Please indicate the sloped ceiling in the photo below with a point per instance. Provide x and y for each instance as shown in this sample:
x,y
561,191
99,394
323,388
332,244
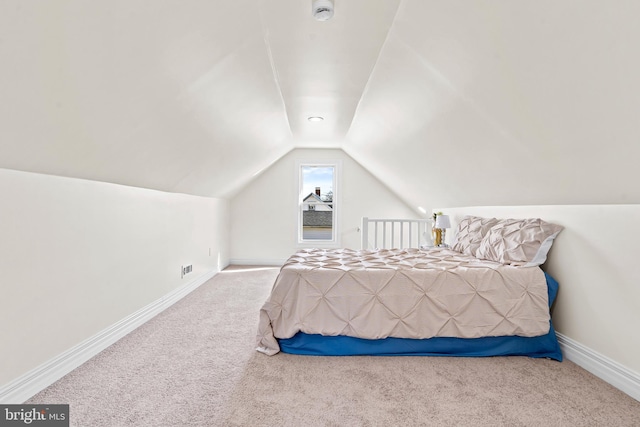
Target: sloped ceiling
x,y
505,103
448,102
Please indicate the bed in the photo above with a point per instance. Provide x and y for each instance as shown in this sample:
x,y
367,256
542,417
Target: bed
x,y
484,296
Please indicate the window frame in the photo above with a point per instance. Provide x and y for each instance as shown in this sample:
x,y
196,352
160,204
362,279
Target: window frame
x,y
334,242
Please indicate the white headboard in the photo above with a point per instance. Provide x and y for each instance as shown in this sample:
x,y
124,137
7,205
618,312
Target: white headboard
x,y
394,233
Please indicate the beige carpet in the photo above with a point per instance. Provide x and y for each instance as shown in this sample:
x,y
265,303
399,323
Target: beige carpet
x,y
195,364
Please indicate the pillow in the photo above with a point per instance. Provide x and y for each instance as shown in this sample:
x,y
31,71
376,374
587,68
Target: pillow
x,y
470,232
523,242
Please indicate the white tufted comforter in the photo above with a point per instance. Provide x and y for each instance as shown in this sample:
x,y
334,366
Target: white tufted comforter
x,y
407,293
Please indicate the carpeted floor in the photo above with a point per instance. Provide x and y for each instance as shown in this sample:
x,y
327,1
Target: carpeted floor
x,y
195,365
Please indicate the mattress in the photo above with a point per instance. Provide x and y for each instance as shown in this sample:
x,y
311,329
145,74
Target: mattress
x,y
409,293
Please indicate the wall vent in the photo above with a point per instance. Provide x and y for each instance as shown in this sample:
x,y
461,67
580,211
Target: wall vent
x,y
185,269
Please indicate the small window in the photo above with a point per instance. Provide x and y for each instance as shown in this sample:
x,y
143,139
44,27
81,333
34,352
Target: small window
x,y
317,207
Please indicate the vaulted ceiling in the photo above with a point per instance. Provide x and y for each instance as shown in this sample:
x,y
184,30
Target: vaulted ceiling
x,y
447,102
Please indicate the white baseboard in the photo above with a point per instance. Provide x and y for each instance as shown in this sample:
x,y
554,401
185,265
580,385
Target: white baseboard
x,y
261,262
46,374
601,366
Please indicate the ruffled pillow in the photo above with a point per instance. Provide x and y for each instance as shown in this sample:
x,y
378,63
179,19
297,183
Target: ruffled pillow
x,y
523,242
470,232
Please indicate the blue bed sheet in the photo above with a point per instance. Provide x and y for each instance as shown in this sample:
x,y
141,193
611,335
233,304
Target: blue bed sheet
x,y
544,346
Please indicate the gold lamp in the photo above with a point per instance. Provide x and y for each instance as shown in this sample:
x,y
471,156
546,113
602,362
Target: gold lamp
x,y
440,228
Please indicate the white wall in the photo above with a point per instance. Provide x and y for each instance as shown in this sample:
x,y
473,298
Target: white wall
x,y
77,256
596,263
264,216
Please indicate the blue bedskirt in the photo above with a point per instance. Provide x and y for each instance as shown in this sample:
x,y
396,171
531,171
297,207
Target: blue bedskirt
x,y
545,346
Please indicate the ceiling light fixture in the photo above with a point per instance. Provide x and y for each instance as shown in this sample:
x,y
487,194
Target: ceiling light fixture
x,y
315,119
322,10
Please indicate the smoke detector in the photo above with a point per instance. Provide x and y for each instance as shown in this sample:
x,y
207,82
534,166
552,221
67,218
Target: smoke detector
x,y
322,10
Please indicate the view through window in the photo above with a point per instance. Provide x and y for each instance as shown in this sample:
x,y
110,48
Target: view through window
x,y
317,207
